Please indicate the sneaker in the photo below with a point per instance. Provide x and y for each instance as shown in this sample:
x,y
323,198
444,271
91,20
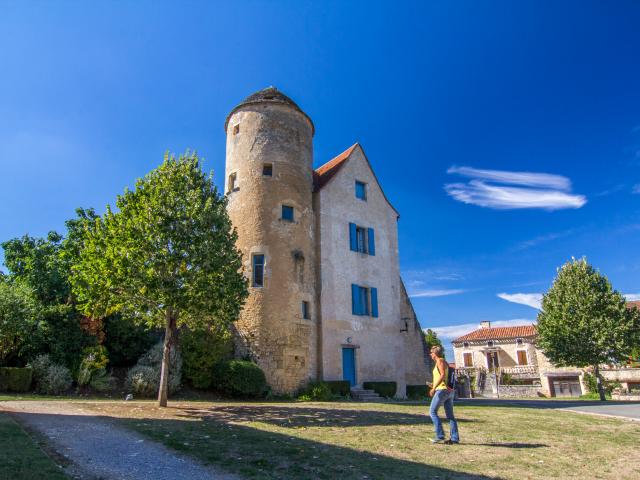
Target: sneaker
x,y
437,440
451,442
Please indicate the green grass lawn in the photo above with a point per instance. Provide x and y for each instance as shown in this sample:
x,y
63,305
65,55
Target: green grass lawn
x,y
20,456
379,441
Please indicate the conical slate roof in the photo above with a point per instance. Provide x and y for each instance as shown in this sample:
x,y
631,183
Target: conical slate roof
x,y
268,95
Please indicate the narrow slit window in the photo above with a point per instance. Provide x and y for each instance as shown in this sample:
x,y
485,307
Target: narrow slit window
x,y
287,213
258,270
361,239
361,190
306,314
232,184
267,170
236,129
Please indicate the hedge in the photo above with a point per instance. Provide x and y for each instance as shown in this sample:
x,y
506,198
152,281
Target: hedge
x,y
340,387
384,389
416,391
15,379
239,378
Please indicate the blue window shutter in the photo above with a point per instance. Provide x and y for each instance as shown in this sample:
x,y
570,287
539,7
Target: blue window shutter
x,y
372,242
353,241
355,302
374,302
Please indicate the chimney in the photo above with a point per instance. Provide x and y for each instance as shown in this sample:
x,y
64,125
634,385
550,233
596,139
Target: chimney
x,y
485,324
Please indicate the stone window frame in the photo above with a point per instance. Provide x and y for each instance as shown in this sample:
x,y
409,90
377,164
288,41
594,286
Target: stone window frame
x,y
253,269
306,310
293,213
232,182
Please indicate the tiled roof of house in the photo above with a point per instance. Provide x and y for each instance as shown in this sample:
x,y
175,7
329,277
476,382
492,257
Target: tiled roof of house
x,y
497,333
635,303
324,173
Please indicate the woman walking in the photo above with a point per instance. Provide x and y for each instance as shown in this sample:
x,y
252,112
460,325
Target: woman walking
x,y
442,396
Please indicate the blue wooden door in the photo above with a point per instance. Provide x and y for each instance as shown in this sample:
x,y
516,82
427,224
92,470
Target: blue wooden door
x,y
349,365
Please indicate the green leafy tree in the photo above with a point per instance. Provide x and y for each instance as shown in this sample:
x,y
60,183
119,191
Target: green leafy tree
x,y
584,322
431,338
18,321
167,256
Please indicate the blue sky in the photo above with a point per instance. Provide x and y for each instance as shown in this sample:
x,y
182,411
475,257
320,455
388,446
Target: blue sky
x,y
507,134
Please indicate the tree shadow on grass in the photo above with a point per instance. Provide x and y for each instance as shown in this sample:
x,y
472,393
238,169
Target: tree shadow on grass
x,y
297,417
242,449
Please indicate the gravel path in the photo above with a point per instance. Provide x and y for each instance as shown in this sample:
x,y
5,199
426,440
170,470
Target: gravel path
x,y
99,449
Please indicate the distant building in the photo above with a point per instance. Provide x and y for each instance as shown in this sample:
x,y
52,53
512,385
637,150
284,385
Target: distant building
x,y
492,354
320,249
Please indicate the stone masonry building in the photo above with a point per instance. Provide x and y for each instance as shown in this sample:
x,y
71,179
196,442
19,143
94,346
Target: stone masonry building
x,y
320,250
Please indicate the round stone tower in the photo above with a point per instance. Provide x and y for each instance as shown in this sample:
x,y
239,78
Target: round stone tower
x,y
269,185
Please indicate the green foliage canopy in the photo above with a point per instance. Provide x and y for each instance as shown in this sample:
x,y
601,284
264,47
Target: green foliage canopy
x,y
431,339
584,321
18,320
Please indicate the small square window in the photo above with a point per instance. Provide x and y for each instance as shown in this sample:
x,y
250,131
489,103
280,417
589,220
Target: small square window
x,y
287,213
465,344
236,129
361,190
305,311
267,170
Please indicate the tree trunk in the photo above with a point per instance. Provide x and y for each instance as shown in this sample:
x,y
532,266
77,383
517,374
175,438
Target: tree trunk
x,y
163,391
596,372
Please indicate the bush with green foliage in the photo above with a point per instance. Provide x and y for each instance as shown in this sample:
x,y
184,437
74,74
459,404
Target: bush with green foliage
x,y
93,371
315,392
417,392
50,378
340,388
13,379
127,340
201,350
239,378
144,378
19,316
384,389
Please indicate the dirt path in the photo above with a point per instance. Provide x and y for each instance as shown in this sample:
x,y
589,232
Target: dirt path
x,y
100,449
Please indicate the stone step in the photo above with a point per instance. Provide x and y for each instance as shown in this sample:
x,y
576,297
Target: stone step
x,y
363,395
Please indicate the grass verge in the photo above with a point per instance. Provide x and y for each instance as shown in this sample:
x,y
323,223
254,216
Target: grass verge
x,y
379,441
20,456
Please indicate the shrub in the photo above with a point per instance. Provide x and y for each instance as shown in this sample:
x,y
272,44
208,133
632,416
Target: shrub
x,y
202,350
146,381
57,380
339,387
384,389
416,392
239,378
94,359
15,379
126,341
315,391
143,381
40,366
592,384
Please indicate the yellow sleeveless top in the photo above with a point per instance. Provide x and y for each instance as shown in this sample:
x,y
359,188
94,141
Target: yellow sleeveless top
x,y
436,377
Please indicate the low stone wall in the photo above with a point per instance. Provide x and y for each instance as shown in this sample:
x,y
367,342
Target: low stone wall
x,y
519,391
626,397
621,375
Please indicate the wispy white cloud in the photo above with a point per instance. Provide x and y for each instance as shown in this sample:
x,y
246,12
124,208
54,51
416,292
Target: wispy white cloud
x,y
542,239
436,292
533,300
632,297
449,332
494,189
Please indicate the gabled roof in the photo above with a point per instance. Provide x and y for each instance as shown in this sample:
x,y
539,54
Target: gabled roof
x,y
498,333
635,303
323,174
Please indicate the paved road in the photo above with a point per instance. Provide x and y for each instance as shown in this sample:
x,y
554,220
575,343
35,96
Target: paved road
x,y
99,449
628,410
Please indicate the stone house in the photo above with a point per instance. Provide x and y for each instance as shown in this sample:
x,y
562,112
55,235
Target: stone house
x,y
320,250
491,354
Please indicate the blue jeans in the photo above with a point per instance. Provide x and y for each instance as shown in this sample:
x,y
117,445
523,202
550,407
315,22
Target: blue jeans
x,y
444,397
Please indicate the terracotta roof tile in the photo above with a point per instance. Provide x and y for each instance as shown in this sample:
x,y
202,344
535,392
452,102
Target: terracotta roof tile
x,y
635,303
324,173
497,333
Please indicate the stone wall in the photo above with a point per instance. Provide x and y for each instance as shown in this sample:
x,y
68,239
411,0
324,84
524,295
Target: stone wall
x,y
271,328
384,350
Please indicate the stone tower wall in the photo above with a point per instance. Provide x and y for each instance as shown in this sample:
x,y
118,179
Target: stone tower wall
x,y
271,325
